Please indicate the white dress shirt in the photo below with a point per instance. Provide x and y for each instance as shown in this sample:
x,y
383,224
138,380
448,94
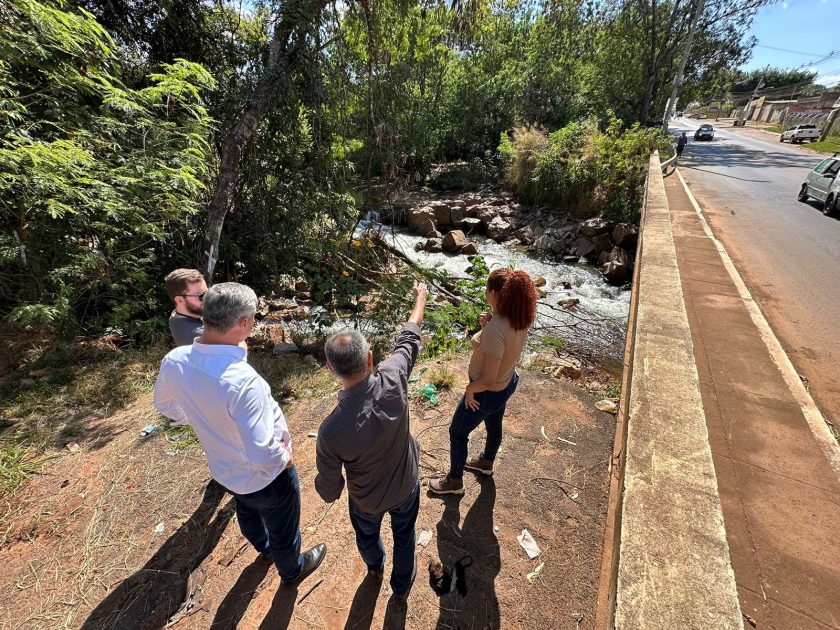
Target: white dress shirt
x,y
229,406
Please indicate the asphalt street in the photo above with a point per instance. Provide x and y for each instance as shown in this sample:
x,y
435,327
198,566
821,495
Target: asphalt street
x,y
787,252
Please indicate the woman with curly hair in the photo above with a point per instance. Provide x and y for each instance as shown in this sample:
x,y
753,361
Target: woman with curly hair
x,y
493,378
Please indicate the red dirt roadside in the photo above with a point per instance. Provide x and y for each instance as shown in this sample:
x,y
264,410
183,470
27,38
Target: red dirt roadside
x,y
123,532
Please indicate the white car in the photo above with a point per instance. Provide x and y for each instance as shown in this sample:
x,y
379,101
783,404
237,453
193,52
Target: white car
x,y
823,184
800,133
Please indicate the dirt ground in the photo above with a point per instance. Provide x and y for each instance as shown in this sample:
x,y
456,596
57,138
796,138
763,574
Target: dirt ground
x,y
129,532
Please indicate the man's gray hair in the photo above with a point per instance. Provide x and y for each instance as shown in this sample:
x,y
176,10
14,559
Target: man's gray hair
x,y
226,303
347,352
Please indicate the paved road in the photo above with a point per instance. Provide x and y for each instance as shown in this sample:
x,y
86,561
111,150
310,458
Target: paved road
x,y
788,252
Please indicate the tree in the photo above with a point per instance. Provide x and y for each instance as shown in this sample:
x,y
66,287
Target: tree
x,y
96,179
644,36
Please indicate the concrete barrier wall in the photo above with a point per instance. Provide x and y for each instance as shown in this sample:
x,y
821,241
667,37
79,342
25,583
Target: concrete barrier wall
x,y
673,567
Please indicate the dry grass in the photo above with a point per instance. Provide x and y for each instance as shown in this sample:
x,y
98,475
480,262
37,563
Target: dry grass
x,y
441,375
63,393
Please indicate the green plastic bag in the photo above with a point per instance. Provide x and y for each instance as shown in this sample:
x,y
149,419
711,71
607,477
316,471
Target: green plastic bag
x,y
430,391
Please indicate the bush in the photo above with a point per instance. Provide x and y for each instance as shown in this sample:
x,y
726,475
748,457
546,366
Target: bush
x,y
441,376
448,321
581,168
97,180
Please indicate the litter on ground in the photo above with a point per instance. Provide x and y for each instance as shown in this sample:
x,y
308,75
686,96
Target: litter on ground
x,y
527,542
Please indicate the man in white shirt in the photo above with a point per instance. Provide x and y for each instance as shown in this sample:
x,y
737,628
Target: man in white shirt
x,y
210,386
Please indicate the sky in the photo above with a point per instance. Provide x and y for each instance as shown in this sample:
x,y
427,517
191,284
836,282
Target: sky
x,y
799,26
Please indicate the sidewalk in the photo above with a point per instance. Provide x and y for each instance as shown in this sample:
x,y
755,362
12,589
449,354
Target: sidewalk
x,y
779,492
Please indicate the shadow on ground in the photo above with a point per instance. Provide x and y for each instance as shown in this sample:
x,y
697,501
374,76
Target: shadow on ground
x,y
147,599
479,608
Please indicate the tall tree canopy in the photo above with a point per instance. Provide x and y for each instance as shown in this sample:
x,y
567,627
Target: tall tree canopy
x,y
137,133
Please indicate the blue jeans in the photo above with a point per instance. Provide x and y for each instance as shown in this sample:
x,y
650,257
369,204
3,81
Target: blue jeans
x,y
270,520
465,420
403,518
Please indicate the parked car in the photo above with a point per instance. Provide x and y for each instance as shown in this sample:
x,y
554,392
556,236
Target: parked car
x,y
823,184
800,133
705,132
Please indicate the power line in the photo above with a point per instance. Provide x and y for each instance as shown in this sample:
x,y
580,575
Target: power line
x,y
795,52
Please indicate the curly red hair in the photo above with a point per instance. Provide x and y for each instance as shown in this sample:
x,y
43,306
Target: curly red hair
x,y
517,296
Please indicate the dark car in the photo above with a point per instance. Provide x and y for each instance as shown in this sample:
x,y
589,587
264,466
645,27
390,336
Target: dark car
x,y
705,132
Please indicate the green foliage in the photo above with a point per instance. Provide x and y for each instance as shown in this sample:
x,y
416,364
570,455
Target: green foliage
x,y
553,342
448,322
16,464
109,148
96,179
581,168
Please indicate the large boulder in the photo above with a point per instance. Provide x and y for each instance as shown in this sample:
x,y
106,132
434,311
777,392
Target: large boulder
x,y
499,229
617,270
469,249
595,226
471,225
602,243
486,213
550,244
433,245
441,209
454,241
470,200
420,219
456,215
625,235
525,235
583,246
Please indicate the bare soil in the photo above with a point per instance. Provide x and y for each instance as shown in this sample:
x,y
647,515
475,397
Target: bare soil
x,y
81,548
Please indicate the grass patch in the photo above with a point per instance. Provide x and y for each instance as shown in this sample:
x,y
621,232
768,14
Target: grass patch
x,y
58,393
181,436
832,145
73,386
292,378
16,464
773,129
441,376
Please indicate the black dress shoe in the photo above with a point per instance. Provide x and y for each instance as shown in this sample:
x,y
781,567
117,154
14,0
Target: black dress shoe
x,y
311,560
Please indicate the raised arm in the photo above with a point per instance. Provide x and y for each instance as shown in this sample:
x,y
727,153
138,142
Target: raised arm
x,y
407,347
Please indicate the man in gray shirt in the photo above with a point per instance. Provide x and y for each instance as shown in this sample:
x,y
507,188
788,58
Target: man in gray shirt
x,y
369,434
186,288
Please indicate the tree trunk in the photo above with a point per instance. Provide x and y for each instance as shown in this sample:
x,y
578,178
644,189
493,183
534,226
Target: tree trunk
x,y
650,79
246,126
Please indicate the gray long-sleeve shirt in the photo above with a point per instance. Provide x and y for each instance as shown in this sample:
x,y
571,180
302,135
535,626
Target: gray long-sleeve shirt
x,y
368,433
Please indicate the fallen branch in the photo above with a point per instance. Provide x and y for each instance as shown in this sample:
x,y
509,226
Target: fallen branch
x,y
561,487
312,588
435,426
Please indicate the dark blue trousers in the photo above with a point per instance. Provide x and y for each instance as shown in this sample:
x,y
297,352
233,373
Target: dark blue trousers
x,y
403,519
465,421
270,520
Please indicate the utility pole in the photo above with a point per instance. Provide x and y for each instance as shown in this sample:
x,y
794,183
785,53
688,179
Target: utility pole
x,y
743,120
680,76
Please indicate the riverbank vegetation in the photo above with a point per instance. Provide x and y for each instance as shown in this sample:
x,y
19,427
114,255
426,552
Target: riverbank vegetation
x,y
135,137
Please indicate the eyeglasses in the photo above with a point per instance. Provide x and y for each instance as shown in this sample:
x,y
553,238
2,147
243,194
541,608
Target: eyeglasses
x,y
200,296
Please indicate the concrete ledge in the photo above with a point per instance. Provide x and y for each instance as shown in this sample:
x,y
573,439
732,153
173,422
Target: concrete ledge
x,y
674,569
